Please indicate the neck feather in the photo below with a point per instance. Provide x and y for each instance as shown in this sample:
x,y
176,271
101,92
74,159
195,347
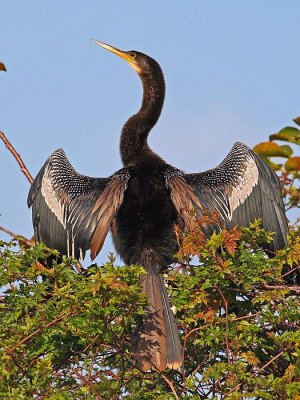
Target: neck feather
x,y
134,146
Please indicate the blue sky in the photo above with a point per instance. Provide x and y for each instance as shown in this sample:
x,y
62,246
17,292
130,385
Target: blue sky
x,y
231,70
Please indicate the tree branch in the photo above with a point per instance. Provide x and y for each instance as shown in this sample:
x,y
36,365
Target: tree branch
x,y
22,239
255,373
16,156
37,331
280,287
171,385
227,330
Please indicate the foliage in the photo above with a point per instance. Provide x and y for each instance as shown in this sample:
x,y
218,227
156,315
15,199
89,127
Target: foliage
x,y
290,170
66,335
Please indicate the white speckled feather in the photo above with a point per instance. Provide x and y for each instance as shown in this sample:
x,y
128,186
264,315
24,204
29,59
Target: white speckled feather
x,y
51,198
241,190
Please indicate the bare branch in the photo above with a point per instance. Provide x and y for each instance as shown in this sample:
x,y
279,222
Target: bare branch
x,y
227,330
256,373
170,383
291,271
16,156
246,316
21,239
269,362
280,287
85,381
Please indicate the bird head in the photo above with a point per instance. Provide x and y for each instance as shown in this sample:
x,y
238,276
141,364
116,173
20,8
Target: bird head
x,y
140,62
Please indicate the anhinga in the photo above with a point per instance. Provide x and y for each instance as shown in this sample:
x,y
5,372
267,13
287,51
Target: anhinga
x,y
141,202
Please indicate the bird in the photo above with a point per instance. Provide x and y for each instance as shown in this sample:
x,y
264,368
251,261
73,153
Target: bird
x,y
140,204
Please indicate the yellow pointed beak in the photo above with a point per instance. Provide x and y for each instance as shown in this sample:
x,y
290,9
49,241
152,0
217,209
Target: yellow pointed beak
x,y
123,54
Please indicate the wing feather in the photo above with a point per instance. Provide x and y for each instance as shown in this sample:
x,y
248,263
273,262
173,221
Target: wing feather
x,y
242,188
183,198
73,212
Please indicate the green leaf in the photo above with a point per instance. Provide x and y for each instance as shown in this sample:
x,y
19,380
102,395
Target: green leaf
x,y
271,149
292,164
287,149
297,120
275,166
288,134
62,340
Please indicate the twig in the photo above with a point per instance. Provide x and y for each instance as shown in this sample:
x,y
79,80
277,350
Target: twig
x,y
268,363
280,287
36,332
21,238
16,156
205,326
171,386
24,372
290,271
233,389
226,333
195,330
255,373
246,317
85,381
90,344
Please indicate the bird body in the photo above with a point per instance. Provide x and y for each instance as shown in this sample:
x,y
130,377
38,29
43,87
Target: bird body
x,y
146,217
141,203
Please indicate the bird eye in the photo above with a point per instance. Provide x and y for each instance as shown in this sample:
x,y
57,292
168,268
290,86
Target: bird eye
x,y
132,54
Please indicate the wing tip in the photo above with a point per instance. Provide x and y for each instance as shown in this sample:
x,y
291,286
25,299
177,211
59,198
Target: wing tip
x,y
175,364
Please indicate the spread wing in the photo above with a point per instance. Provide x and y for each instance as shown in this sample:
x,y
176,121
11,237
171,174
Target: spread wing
x,y
71,212
242,188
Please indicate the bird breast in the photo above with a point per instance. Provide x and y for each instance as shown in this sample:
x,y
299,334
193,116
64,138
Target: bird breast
x,y
146,217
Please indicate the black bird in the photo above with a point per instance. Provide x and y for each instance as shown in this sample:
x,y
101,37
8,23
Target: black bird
x,y
141,202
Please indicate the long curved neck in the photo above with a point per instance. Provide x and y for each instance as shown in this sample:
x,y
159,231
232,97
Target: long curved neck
x,y
134,146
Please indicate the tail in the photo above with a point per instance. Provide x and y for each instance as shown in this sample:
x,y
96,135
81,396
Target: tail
x,y
157,342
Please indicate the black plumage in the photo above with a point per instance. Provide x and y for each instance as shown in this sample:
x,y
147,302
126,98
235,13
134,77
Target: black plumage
x,y
141,203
